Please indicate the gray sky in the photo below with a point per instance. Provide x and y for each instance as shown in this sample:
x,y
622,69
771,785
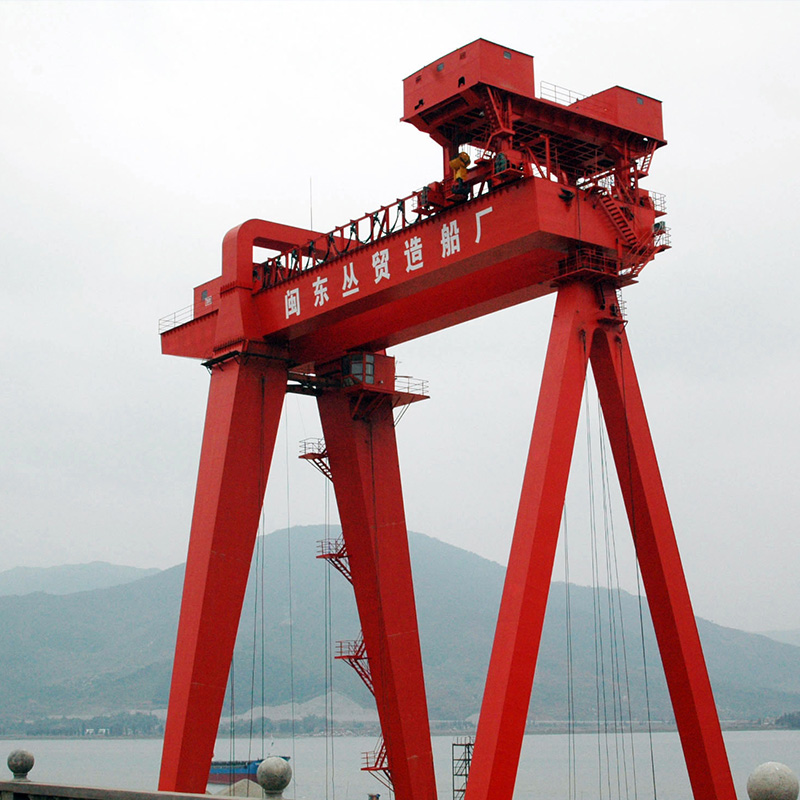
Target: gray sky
x,y
134,135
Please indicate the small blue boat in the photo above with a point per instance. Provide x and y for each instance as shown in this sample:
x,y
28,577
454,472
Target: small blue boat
x,y
229,772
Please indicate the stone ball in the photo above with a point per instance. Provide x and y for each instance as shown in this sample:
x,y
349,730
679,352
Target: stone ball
x,y
773,781
20,762
274,774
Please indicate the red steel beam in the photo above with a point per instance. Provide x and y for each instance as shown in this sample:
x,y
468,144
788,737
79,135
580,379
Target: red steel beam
x,y
583,328
509,245
662,571
366,479
244,408
504,711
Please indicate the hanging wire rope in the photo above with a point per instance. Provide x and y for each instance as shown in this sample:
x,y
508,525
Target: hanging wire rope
x,y
616,624
232,723
382,654
608,517
261,578
616,751
612,587
330,769
257,587
634,532
599,638
571,760
256,599
291,609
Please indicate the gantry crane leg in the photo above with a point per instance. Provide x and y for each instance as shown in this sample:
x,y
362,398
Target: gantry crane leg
x,y
662,571
366,478
242,418
584,328
504,711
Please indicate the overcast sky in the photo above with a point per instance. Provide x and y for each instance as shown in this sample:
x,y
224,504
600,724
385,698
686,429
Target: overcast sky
x,y
133,135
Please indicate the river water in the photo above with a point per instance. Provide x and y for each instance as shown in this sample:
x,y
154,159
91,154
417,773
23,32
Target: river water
x,y
543,774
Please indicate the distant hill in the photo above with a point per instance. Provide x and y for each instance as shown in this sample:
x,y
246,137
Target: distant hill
x,y
787,637
68,578
109,650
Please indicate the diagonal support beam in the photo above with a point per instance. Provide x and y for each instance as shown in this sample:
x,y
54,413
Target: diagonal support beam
x,y
582,328
662,571
366,478
242,418
504,711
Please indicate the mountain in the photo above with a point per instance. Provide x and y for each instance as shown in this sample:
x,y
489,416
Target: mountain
x,y
108,650
787,637
68,578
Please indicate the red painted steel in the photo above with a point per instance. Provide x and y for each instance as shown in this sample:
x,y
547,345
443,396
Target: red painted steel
x,y
585,327
366,478
551,203
530,564
662,572
244,407
480,63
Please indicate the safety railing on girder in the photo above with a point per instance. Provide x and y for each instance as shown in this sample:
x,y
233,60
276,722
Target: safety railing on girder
x,y
558,94
339,242
586,260
176,318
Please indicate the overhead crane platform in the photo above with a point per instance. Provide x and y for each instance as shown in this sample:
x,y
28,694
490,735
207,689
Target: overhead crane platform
x,y
535,197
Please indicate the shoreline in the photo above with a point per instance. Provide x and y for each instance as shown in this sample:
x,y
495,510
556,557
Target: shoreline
x,y
544,729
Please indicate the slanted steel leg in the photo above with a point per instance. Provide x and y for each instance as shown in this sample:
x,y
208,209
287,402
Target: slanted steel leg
x,y
662,572
366,478
581,326
244,408
498,741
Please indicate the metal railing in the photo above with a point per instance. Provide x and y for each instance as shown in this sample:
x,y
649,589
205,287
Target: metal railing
x,y
558,94
409,385
663,236
312,447
351,648
376,759
659,201
340,242
330,547
176,318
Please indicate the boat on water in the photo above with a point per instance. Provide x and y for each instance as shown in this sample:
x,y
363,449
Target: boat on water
x,y
230,772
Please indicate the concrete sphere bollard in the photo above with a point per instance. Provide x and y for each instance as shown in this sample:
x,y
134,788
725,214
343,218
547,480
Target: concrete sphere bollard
x,y
773,781
274,775
20,762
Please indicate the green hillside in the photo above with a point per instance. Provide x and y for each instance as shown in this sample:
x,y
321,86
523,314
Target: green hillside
x,y
68,578
110,650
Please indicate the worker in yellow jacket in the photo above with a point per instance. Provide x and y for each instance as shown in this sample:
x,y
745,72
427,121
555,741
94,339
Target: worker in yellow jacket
x,y
459,166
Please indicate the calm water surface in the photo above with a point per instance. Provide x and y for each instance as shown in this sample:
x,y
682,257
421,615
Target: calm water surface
x,y
543,774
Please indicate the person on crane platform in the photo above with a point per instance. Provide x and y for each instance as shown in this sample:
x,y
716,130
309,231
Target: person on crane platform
x,y
459,166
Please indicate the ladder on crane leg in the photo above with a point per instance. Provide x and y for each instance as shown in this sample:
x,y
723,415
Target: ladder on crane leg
x,y
353,653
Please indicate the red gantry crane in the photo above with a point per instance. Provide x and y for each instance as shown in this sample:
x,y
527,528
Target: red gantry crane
x,y
549,202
